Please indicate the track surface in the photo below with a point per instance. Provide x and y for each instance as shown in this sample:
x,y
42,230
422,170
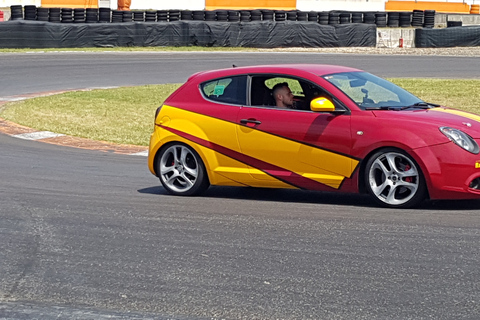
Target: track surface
x,y
92,235
29,72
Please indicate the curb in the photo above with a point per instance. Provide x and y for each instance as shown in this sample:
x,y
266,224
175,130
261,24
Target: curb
x,y
22,132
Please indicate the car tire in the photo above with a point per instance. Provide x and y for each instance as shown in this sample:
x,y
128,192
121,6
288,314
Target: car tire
x,y
394,179
181,170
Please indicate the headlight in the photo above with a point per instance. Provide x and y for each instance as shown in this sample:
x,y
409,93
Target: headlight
x,y
461,139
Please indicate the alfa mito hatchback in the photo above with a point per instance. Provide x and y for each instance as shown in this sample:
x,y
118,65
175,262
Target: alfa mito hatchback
x,y
346,130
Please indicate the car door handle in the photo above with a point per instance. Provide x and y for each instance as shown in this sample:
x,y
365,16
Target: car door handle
x,y
245,121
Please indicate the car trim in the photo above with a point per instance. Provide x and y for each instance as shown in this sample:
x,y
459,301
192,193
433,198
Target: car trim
x,y
267,132
303,142
468,115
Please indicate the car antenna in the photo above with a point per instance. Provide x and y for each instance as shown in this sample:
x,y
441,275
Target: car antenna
x,y
234,66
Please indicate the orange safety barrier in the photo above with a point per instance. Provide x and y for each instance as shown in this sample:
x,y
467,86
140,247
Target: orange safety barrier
x,y
70,3
475,9
123,4
445,7
251,4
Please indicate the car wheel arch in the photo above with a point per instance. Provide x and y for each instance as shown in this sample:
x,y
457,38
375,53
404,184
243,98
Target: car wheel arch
x,y
362,183
173,142
199,164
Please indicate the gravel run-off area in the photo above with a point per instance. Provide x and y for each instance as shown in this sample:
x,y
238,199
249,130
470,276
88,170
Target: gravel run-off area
x,y
454,51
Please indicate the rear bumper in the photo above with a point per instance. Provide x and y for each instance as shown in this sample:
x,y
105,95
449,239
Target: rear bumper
x,y
155,144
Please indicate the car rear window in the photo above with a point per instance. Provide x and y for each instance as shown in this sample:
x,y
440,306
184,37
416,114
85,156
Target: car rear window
x,y
231,90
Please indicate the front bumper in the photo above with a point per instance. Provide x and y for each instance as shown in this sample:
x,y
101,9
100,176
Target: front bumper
x,y
450,171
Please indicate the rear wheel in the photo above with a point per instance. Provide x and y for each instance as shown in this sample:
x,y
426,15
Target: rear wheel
x,y
394,179
181,170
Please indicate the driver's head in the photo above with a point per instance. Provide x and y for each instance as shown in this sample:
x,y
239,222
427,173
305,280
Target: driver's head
x,y
283,95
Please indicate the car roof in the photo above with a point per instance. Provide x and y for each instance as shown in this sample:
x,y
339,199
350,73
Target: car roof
x,y
296,69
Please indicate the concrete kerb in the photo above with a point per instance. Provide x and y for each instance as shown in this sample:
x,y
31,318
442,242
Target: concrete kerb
x,y
22,132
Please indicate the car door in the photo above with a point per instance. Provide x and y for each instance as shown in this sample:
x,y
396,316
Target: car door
x,y
296,148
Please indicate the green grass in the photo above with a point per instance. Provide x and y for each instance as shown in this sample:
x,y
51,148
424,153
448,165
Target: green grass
x,y
125,115
458,94
130,49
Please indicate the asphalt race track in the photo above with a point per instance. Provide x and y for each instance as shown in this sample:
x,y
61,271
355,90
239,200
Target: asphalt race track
x,y
31,72
92,235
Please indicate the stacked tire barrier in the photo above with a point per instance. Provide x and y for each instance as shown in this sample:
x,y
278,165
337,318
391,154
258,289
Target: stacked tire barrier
x,y
259,34
33,27
417,18
16,12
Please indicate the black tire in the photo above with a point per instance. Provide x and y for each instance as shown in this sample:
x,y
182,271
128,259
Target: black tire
x,y
221,15
393,19
245,16
280,15
233,15
268,15
417,18
345,18
256,15
186,15
357,17
292,15
174,15
104,15
302,16
199,15
159,15
369,17
30,12
405,19
127,16
138,16
16,12
394,179
181,170
323,18
210,16
333,18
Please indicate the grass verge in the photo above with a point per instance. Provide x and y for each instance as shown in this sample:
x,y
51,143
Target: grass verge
x,y
125,115
132,49
122,115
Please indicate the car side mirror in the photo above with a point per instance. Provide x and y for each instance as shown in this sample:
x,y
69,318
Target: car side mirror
x,y
322,104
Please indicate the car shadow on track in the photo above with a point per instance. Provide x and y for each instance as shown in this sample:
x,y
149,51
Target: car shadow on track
x,y
314,197
276,195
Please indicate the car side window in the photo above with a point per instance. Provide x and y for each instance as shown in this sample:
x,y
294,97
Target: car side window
x,y
304,91
231,90
293,84
262,89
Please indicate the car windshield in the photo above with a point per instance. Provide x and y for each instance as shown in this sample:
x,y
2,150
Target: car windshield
x,y
370,92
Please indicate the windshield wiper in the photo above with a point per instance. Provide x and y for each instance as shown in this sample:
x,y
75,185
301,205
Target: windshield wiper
x,y
381,108
418,105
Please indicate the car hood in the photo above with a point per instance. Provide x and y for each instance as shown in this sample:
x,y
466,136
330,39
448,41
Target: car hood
x,y
438,117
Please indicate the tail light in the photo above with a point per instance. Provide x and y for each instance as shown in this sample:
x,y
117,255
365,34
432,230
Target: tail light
x,y
156,115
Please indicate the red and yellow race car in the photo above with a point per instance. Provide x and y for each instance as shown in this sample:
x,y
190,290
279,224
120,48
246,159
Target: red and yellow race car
x,y
314,127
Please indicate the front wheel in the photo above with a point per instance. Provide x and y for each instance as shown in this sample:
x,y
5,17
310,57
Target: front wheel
x,y
181,170
394,179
